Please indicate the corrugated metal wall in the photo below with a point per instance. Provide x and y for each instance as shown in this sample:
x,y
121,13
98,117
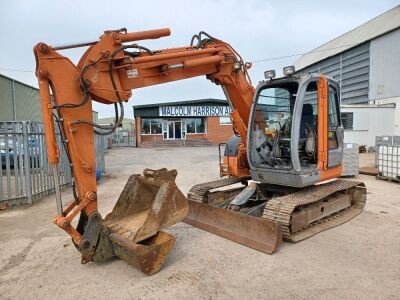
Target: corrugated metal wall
x,y
27,103
385,62
351,69
19,102
6,100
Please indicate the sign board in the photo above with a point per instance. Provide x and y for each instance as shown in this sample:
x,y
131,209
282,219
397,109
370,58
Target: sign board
x,y
194,111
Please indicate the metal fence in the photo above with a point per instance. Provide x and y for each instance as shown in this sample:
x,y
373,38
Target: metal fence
x,y
26,175
123,138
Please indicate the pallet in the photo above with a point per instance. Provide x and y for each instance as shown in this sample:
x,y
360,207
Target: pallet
x,y
372,171
348,176
389,179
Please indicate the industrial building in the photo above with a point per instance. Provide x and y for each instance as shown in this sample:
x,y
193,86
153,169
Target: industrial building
x,y
21,102
124,134
126,124
201,121
365,61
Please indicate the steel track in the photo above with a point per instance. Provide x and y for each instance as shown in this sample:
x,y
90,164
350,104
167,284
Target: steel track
x,y
281,208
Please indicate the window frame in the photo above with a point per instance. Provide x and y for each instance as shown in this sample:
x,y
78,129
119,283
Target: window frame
x,y
150,121
160,122
195,126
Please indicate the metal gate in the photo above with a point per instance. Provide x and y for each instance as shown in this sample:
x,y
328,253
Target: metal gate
x,y
123,138
26,175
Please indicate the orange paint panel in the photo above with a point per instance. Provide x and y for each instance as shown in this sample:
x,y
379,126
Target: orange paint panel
x,y
53,153
322,123
331,173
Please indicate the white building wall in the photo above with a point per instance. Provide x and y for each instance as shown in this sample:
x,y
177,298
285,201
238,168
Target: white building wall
x,y
384,81
368,122
396,102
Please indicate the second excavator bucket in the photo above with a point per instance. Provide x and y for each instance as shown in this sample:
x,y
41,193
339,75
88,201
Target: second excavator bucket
x,y
132,231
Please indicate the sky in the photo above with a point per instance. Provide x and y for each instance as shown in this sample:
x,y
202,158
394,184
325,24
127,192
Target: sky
x,y
257,29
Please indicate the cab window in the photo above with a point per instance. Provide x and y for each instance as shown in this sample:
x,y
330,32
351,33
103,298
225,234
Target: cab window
x,y
333,109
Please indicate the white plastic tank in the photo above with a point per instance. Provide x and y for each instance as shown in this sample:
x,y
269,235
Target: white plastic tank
x,y
389,162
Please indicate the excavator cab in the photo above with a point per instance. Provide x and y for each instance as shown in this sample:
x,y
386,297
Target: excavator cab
x,y
300,135
294,144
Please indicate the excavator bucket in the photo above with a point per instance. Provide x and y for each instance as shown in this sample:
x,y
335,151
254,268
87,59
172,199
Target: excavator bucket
x,y
132,231
257,233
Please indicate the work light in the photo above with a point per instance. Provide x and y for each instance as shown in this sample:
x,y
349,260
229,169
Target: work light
x,y
289,70
269,74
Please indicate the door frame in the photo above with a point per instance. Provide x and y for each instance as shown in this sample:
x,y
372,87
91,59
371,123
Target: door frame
x,y
165,129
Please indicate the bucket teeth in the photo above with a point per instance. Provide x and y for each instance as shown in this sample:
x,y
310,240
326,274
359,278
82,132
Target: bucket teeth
x,y
132,231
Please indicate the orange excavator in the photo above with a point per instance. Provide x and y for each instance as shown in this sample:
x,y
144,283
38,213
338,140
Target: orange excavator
x,y
280,166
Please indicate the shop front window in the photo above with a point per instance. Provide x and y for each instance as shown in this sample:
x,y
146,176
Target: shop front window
x,y
145,126
195,125
151,126
191,125
200,126
156,126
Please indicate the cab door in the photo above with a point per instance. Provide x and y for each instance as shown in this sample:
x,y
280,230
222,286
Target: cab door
x,y
335,128
330,130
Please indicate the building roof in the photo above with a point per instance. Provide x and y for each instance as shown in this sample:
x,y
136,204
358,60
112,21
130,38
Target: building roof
x,y
23,83
109,120
375,27
185,102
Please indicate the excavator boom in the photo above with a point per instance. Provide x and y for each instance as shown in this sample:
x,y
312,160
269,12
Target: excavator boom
x,y
107,73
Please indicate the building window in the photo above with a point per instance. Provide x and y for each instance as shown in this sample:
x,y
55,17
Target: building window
x,y
347,120
156,126
191,125
225,121
151,126
195,125
145,126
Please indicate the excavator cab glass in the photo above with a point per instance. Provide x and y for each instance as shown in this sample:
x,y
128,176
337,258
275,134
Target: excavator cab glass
x,y
290,124
272,125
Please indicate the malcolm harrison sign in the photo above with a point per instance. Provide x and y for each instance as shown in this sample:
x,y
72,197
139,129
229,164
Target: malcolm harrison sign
x,y
194,111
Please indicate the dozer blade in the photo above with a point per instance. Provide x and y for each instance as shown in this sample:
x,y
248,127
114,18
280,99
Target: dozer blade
x,y
258,233
132,231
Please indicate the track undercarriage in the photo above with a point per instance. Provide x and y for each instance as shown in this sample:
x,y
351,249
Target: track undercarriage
x,y
260,215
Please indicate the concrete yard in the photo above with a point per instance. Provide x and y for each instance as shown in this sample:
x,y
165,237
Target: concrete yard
x,y
358,260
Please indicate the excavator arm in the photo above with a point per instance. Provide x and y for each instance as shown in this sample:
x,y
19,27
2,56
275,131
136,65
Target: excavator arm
x,y
108,72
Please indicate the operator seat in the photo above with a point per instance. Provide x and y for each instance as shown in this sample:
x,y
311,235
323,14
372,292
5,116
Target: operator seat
x,y
307,119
